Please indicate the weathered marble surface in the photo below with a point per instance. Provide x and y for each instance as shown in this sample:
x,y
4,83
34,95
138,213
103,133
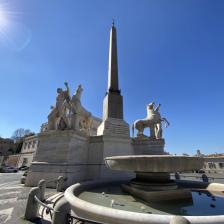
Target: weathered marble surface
x,y
75,156
114,127
60,153
148,146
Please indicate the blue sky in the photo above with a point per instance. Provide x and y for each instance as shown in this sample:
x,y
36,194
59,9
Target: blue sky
x,y
170,52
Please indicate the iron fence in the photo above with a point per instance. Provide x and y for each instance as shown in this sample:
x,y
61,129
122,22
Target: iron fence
x,y
77,220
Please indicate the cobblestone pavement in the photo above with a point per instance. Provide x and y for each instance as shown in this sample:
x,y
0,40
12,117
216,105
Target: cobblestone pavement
x,y
13,196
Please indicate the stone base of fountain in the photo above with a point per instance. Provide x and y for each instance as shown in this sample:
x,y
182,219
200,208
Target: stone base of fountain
x,y
159,195
151,186
150,181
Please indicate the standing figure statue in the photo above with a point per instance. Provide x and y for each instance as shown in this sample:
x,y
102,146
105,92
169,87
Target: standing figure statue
x,y
153,121
69,113
57,119
80,117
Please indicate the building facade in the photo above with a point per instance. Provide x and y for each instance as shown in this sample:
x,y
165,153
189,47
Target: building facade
x,y
28,151
214,164
6,146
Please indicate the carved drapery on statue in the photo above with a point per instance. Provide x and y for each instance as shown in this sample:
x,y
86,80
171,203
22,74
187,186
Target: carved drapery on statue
x,y
153,121
68,113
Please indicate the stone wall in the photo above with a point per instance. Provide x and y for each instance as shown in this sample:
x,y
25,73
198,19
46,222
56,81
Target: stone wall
x,y
12,160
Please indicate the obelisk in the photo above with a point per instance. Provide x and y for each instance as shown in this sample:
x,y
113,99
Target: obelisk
x,y
113,123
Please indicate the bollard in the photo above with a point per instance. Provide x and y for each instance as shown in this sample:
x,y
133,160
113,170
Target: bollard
x,y
177,176
23,180
59,186
61,211
204,178
42,187
32,205
179,220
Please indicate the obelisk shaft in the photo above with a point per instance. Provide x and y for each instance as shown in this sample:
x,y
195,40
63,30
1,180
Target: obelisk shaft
x,y
113,101
113,83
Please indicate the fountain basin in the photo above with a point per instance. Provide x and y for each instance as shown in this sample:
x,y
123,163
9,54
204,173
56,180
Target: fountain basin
x,y
90,209
154,163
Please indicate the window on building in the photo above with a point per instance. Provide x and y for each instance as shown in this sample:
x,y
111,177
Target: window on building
x,y
211,165
25,161
221,165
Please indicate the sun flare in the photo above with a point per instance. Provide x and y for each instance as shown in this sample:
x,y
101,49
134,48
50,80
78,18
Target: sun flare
x,y
3,18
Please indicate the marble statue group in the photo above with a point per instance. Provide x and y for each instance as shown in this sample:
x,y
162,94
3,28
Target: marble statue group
x,y
153,121
68,113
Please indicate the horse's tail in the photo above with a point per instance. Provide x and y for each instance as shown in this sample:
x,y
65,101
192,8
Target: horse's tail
x,y
166,122
133,129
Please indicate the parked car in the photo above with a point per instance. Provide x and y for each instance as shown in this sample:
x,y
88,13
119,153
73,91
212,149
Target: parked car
x,y
200,171
10,169
23,168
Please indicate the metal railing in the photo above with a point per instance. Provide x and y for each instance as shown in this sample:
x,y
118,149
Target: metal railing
x,y
71,219
77,220
203,177
49,210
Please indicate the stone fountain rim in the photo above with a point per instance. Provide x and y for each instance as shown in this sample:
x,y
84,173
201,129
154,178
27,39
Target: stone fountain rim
x,y
149,156
110,215
154,163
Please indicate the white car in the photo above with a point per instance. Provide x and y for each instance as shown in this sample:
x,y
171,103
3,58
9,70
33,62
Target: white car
x,y
10,169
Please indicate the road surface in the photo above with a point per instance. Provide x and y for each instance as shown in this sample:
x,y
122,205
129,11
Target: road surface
x,y
13,197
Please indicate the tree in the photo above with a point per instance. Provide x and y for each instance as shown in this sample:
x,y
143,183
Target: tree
x,y
20,133
18,137
18,147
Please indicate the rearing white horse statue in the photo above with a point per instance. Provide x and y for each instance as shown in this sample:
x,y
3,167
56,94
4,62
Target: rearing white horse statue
x,y
153,121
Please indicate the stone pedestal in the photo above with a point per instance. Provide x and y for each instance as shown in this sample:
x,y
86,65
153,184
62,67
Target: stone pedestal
x,y
59,153
114,127
148,146
101,147
113,105
76,157
115,140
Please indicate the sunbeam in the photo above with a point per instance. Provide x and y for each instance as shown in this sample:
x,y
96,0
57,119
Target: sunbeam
x,y
13,34
3,18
